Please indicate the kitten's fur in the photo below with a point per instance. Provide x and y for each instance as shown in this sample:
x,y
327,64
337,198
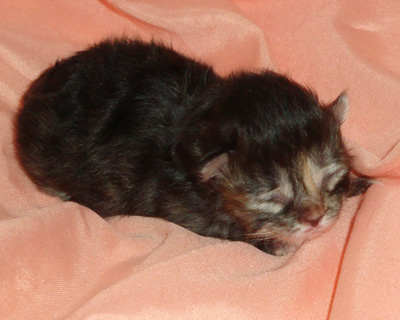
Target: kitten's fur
x,y
132,128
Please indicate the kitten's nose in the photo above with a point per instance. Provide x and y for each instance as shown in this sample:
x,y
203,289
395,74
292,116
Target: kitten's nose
x,y
311,215
312,222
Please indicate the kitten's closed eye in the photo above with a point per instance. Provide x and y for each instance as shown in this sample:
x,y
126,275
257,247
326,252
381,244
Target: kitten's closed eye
x,y
279,199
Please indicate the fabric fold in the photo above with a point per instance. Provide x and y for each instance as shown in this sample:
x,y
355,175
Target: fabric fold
x,y
62,261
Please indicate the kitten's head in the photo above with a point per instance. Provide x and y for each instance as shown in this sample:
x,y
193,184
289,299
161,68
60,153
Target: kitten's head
x,y
286,172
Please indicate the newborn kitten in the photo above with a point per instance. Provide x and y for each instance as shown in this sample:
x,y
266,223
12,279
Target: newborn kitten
x,y
129,128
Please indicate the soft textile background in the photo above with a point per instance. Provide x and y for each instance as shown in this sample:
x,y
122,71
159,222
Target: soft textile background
x,y
61,261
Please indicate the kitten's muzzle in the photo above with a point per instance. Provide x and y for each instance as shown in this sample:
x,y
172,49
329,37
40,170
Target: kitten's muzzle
x,y
311,214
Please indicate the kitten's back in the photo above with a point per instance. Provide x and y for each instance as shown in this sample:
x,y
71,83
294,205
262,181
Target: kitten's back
x,y
106,117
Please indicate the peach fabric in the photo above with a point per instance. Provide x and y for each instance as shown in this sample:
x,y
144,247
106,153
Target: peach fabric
x,y
62,261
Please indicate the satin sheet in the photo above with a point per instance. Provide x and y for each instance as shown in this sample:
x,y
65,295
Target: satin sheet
x,y
62,261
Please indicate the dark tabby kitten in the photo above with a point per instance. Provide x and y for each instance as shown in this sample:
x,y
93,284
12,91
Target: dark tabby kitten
x,y
132,128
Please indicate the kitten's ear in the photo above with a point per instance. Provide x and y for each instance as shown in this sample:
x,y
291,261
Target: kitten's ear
x,y
359,185
340,107
213,167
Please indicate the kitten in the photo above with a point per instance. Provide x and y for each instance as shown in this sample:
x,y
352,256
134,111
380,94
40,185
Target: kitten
x,y
129,128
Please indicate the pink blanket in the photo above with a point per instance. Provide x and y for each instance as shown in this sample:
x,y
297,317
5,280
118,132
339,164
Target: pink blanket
x,y
61,261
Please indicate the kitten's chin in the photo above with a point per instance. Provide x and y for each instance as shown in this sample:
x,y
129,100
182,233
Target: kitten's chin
x,y
305,232
294,242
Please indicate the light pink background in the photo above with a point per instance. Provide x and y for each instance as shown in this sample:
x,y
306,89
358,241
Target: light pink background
x,y
62,261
